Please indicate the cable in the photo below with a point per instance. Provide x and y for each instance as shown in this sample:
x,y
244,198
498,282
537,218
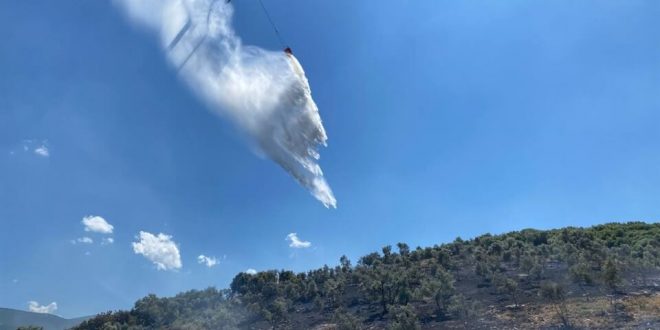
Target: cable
x,y
279,37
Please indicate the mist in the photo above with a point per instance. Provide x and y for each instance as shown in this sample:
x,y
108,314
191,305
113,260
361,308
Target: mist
x,y
265,93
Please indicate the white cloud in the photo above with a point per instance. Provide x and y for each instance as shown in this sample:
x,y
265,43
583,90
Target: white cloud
x,y
159,249
208,261
86,240
42,151
97,224
83,240
34,306
296,242
251,271
107,240
38,148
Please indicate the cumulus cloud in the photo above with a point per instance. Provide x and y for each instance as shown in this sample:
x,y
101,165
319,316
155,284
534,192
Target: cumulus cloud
x,y
265,93
107,240
83,240
296,242
97,224
159,249
208,261
39,148
34,307
251,271
42,151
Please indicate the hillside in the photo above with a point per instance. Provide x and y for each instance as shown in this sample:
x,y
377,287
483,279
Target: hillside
x,y
606,276
11,319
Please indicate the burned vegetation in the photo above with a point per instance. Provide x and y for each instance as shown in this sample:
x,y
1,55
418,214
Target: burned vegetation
x,y
605,276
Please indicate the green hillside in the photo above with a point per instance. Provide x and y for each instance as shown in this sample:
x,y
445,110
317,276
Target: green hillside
x,y
606,276
11,319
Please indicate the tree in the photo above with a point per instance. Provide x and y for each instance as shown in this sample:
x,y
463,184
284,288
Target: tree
x,y
644,264
463,309
612,278
580,273
345,263
319,304
311,290
532,266
369,260
345,320
387,254
278,310
611,275
387,284
557,295
506,285
404,250
482,269
440,288
511,287
403,318
333,290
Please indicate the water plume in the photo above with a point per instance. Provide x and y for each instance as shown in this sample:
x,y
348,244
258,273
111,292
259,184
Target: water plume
x,y
264,92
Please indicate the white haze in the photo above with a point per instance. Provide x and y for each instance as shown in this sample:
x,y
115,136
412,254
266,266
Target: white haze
x,y
264,92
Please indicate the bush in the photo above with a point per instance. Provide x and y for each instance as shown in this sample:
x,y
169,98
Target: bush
x,y
346,321
403,318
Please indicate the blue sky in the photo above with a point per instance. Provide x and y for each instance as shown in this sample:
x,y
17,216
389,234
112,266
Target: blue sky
x,y
445,119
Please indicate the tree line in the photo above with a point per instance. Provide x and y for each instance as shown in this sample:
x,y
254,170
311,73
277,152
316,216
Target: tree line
x,y
407,287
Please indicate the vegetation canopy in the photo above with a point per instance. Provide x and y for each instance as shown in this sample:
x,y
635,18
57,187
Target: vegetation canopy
x,y
604,276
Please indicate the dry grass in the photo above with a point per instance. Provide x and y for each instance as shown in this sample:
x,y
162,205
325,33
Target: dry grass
x,y
597,313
